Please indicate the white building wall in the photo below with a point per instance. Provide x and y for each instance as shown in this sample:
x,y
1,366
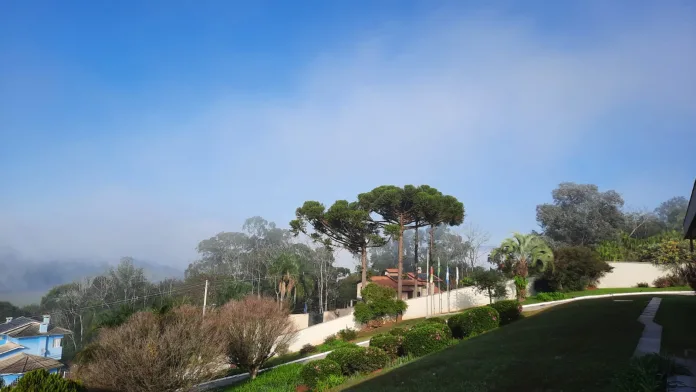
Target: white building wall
x,y
629,274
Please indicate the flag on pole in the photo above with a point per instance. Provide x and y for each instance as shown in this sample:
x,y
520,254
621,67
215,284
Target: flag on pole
x,y
457,276
431,274
447,278
438,267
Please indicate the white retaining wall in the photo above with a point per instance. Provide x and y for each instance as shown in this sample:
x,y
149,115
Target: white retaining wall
x,y
301,321
317,333
629,274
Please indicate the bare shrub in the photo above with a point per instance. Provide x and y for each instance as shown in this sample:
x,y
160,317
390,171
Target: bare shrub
x,y
252,329
154,353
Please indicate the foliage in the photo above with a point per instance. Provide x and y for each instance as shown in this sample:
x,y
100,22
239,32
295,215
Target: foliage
x,y
334,344
643,284
250,329
581,215
330,339
390,344
576,268
473,321
628,248
160,349
490,282
359,359
509,311
667,252
551,296
329,382
284,378
379,303
436,320
467,281
648,373
344,224
316,371
521,252
307,349
9,310
426,339
687,272
672,212
398,331
42,381
347,334
671,280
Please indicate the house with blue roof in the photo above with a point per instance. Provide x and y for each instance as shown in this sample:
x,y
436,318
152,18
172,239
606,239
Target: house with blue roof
x,y
27,344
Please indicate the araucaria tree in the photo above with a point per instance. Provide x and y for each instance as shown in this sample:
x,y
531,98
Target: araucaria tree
x,y
437,209
251,329
524,251
398,210
344,224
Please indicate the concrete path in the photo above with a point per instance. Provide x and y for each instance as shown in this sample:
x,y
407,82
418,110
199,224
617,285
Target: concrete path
x,y
649,342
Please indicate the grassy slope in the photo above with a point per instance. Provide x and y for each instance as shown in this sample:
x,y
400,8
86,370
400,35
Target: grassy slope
x,y
572,347
677,315
575,294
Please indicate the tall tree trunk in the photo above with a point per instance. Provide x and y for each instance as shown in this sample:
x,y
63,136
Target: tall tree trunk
x,y
399,282
363,262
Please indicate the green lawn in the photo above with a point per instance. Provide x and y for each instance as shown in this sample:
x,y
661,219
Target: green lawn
x,y
677,315
577,346
575,294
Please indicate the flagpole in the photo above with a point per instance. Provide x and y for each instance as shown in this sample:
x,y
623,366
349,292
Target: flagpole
x,y
427,282
439,287
448,288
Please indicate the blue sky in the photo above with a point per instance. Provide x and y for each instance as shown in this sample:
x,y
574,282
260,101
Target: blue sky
x,y
141,127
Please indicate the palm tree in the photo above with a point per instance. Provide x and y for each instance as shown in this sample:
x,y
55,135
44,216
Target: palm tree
x,y
523,251
286,268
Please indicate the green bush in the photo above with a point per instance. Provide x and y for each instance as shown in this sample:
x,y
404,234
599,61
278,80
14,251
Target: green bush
x,y
575,268
42,381
359,359
509,311
473,321
329,383
330,339
379,303
398,331
437,320
643,284
390,344
553,296
324,347
647,374
426,339
347,334
284,378
307,349
316,371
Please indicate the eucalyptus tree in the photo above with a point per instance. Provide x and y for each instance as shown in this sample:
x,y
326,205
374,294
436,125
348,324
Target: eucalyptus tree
x,y
523,251
344,224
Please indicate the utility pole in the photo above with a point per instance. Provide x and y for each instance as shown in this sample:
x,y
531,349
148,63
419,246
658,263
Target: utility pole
x,y
205,296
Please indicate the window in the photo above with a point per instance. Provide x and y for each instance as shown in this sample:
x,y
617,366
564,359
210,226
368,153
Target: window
x,y
57,342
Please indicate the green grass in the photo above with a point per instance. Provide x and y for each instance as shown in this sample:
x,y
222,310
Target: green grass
x,y
677,315
575,294
283,379
366,335
577,346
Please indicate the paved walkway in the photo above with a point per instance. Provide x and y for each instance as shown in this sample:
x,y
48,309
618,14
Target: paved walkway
x,y
649,342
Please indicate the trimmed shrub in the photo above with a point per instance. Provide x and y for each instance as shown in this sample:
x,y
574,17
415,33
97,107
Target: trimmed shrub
x,y
553,296
330,339
307,349
347,334
380,303
437,320
324,347
398,331
509,311
330,382
473,321
41,380
390,344
575,268
316,371
284,378
426,339
643,284
359,359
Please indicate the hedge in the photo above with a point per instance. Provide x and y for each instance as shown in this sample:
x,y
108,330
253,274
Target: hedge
x,y
509,311
426,339
359,359
398,331
314,372
390,344
473,321
41,380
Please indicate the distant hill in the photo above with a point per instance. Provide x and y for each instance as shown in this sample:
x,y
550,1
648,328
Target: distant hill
x,y
25,281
